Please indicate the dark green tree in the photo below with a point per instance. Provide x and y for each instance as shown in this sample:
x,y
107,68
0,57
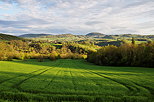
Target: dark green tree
x,y
133,40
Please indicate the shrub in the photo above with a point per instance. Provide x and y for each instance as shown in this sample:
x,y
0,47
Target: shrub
x,y
40,58
53,56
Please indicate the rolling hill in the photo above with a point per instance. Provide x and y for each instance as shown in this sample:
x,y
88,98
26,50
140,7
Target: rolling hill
x,y
89,36
9,37
33,35
95,34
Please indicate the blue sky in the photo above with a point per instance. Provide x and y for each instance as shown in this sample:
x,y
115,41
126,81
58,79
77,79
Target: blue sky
x,y
77,16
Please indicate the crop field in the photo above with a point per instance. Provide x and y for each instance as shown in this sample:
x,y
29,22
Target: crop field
x,y
74,80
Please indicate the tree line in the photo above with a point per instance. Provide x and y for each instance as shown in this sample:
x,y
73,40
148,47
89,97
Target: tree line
x,y
124,55
18,49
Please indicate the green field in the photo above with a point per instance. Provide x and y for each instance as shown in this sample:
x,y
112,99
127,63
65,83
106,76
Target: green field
x,y
74,80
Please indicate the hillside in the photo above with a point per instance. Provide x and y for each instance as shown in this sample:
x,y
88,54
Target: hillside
x,y
9,37
95,34
33,35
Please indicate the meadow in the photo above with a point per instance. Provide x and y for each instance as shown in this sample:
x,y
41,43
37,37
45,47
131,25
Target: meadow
x,y
74,80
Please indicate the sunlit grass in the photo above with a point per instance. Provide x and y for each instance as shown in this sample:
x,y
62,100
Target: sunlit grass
x,y
74,80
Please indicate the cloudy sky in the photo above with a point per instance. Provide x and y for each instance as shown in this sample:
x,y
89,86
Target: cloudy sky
x,y
76,16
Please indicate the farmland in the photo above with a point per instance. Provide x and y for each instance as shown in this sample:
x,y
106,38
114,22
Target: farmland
x,y
74,80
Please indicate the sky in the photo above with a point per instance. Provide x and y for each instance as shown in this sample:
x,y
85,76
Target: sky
x,y
77,16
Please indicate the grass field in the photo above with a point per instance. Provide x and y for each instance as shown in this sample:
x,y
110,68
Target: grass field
x,y
74,80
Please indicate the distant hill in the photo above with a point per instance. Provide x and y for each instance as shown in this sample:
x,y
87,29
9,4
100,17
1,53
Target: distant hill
x,y
33,35
65,35
150,36
108,37
9,37
59,36
95,34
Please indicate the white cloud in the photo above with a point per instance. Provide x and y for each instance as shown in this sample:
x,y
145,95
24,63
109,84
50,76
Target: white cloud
x,y
80,17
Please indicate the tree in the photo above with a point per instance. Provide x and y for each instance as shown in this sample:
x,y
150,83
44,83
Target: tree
x,y
133,40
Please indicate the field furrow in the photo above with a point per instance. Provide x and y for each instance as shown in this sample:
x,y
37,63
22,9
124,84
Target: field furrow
x,y
75,80
46,86
102,82
19,76
17,85
39,80
134,88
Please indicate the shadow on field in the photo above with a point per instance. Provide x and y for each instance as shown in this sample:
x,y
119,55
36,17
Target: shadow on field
x,y
46,62
49,83
83,64
44,82
61,63
60,77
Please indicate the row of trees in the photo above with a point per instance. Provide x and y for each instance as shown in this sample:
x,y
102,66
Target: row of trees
x,y
18,49
125,55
